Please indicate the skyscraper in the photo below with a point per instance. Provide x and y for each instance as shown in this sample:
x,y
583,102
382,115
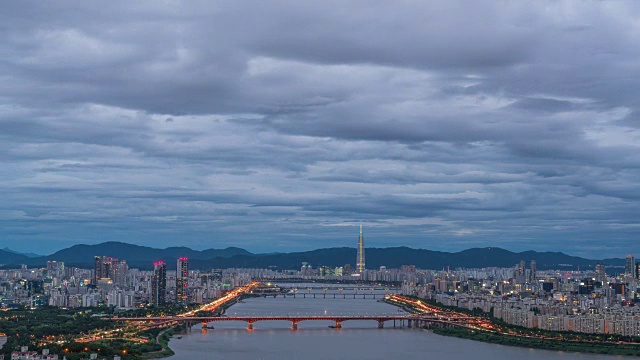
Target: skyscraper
x,y
601,276
159,283
360,260
532,274
629,267
97,269
182,281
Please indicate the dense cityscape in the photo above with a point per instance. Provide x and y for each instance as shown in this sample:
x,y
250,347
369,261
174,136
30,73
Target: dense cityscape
x,y
594,301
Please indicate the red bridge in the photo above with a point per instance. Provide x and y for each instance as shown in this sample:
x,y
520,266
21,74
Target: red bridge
x,y
415,320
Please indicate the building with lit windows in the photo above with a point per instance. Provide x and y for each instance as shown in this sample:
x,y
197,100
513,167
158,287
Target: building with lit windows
x,y
159,284
360,262
630,266
182,281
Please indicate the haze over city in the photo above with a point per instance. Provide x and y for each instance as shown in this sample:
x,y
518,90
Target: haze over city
x,y
283,126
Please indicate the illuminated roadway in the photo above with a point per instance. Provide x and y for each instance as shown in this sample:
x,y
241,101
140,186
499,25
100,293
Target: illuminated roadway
x,y
210,306
293,319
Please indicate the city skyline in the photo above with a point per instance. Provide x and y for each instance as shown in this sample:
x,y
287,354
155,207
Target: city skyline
x,y
281,127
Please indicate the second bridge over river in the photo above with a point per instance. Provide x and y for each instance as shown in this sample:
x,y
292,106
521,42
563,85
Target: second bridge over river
x,y
327,292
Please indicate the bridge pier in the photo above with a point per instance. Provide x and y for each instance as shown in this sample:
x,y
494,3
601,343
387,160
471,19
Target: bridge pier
x,y
380,324
294,325
249,325
204,326
338,324
409,324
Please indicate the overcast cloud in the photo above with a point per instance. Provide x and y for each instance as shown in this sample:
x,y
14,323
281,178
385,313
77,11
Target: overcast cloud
x,y
278,126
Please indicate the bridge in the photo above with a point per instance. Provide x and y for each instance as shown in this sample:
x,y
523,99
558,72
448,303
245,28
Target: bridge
x,y
341,288
328,295
412,320
324,292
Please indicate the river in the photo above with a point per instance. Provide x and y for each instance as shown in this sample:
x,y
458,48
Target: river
x,y
356,340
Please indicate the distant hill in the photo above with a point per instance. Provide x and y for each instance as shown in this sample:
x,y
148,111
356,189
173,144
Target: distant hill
x,y
396,256
29,254
393,257
136,255
7,257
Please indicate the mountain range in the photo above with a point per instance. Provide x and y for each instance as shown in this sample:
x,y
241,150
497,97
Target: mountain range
x,y
29,254
143,257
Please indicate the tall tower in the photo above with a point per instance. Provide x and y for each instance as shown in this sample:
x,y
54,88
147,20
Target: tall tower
x,y
159,283
182,280
360,259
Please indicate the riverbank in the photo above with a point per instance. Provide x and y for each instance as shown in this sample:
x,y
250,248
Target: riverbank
x,y
162,339
543,344
510,336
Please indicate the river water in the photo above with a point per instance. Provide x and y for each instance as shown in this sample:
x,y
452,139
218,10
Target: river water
x,y
314,340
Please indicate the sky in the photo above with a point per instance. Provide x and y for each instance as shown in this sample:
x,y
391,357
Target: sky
x,y
283,125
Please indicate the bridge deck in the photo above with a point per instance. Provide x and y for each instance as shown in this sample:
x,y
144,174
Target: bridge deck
x,y
264,318
338,319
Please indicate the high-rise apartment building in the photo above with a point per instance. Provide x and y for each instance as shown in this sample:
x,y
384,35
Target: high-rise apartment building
x,y
159,283
360,263
346,269
119,272
521,272
182,281
108,268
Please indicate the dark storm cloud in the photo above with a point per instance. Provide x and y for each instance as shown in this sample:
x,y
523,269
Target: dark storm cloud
x,y
283,125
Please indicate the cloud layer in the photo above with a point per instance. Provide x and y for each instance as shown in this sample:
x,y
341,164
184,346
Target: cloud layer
x,y
280,126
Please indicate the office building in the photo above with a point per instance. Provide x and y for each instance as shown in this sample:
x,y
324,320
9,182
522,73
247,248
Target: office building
x,y
97,269
159,283
182,281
